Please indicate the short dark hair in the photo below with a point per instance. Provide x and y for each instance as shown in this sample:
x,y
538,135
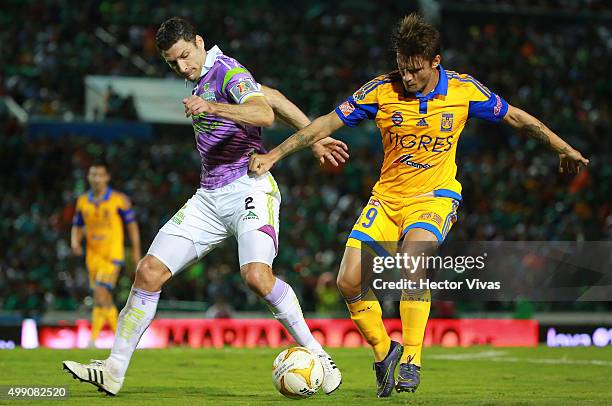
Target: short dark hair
x,y
172,30
100,162
413,36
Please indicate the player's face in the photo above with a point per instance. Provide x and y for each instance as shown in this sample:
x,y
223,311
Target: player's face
x,y
417,72
186,58
98,178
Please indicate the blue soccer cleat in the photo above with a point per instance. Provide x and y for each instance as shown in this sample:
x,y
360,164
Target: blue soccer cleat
x,y
409,378
385,370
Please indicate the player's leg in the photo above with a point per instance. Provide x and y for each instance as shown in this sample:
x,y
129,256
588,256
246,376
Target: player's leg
x,y
139,310
374,234
256,225
426,226
414,311
170,252
98,313
256,252
167,253
363,306
103,300
172,249
106,280
97,319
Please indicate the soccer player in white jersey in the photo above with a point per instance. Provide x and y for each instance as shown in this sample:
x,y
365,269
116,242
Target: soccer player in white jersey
x,y
228,108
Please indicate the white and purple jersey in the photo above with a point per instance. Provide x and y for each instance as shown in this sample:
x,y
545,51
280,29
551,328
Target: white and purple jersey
x,y
224,146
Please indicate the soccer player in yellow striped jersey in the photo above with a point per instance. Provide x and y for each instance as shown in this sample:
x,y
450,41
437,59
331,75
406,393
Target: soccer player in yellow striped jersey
x,y
100,215
421,110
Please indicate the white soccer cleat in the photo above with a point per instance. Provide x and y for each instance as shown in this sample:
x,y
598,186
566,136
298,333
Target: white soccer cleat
x,y
333,377
96,374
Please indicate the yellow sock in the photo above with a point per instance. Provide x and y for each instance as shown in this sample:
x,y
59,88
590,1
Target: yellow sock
x,y
112,316
97,321
366,313
414,311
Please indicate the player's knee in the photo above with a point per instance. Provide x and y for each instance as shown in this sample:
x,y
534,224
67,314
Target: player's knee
x,y
347,286
151,274
258,277
102,296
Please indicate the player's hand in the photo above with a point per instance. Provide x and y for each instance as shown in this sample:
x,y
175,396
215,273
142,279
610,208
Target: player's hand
x,y
572,161
331,149
260,163
77,250
195,105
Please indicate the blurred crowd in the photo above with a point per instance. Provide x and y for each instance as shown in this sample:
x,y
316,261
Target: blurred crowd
x,y
317,53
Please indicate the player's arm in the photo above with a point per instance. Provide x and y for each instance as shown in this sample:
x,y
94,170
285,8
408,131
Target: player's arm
x,y
570,160
284,109
76,232
320,128
328,148
134,234
131,225
76,236
255,111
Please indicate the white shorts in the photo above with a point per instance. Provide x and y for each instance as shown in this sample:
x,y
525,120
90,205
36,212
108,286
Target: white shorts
x,y
211,216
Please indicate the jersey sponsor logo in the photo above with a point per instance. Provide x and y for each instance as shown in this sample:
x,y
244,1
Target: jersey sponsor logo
x,y
373,202
243,87
359,95
202,124
435,217
446,123
179,216
397,118
251,215
406,160
423,142
207,94
498,106
347,108
422,123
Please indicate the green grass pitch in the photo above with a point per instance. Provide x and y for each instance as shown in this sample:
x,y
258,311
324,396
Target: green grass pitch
x,y
463,376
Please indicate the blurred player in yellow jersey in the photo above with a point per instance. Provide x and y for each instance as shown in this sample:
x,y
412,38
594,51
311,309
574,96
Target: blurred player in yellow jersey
x,y
421,110
100,215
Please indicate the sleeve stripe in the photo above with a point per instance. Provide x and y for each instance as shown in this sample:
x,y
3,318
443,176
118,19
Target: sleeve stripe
x,y
78,219
224,63
476,83
368,87
230,74
127,215
249,95
343,118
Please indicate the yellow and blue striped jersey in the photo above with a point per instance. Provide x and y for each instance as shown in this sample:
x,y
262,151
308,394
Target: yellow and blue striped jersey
x,y
103,220
420,132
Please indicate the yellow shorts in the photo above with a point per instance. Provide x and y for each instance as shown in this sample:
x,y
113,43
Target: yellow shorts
x,y
103,272
382,224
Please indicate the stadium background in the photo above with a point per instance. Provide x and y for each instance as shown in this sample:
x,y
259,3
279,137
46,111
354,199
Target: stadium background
x,y
549,57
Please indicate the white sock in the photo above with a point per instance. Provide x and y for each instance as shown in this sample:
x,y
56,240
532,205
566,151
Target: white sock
x,y
285,307
133,321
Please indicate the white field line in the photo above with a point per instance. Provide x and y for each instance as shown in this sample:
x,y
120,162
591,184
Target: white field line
x,y
498,356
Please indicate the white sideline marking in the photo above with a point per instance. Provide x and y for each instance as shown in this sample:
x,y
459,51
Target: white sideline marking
x,y
498,356
471,356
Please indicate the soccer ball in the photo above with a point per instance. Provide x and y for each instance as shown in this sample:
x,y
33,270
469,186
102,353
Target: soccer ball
x,y
297,373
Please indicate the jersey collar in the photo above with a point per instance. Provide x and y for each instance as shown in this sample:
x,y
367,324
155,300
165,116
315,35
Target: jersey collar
x,y
91,199
440,89
211,57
